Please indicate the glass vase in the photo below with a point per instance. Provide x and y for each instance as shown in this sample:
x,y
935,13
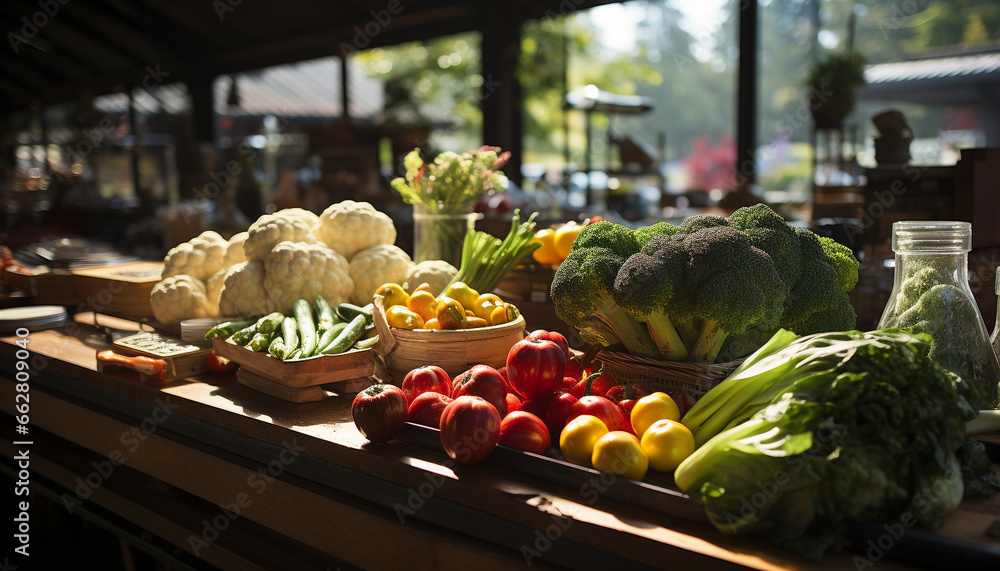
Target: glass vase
x,y
931,292
438,234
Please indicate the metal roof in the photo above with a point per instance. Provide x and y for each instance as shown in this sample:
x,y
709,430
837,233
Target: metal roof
x,y
62,50
953,78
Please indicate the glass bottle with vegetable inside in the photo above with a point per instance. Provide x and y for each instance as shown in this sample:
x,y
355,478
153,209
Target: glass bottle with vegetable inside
x,y
931,292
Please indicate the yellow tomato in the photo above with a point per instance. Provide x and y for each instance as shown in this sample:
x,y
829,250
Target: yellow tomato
x,y
392,294
620,453
485,304
504,314
399,316
564,238
450,313
547,253
462,293
667,443
432,324
578,438
651,408
423,303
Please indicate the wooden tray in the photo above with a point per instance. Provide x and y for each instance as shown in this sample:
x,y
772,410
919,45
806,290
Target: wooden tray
x,y
301,373
249,378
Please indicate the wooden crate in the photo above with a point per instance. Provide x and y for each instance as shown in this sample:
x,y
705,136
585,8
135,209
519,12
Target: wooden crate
x,y
119,290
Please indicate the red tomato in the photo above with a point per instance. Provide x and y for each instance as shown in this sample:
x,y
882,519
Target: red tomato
x,y
379,412
470,429
506,379
538,407
534,367
559,411
513,403
426,379
602,384
627,405
218,365
639,389
524,431
566,385
616,393
482,381
627,425
574,369
426,409
553,336
579,388
609,413
684,401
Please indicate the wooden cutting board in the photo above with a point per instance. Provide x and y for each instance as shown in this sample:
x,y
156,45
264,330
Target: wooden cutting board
x,y
118,290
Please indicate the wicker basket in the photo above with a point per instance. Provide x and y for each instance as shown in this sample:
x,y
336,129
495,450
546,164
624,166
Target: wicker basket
x,y
693,379
455,351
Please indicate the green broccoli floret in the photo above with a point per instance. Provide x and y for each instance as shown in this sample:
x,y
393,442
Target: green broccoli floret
x,y
816,303
582,288
651,287
692,224
843,261
918,280
768,231
732,286
959,342
646,233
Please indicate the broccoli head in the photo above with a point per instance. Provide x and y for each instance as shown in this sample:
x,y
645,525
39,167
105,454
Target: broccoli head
x,y
918,280
843,261
732,286
646,233
692,224
582,289
768,231
650,287
816,303
958,341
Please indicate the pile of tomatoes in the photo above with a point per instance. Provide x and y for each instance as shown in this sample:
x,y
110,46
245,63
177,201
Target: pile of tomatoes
x,y
541,396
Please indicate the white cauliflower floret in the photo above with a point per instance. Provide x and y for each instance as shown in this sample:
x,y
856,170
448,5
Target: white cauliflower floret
x,y
307,216
180,297
435,273
294,270
243,290
199,257
213,287
349,227
271,229
375,266
234,250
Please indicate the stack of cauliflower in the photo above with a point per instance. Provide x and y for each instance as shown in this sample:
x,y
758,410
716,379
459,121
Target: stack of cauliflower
x,y
345,254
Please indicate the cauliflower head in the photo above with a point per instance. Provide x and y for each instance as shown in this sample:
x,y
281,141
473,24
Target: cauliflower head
x,y
199,257
271,229
307,216
349,227
213,287
294,270
180,297
242,292
234,250
435,273
375,266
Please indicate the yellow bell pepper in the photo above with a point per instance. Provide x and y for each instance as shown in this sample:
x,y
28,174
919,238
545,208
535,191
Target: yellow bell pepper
x,y
547,254
392,294
564,237
485,304
462,293
423,303
450,313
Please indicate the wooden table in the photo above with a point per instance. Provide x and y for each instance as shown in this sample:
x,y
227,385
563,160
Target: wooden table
x,y
304,490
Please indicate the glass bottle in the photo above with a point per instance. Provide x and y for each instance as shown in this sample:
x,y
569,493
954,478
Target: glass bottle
x,y
931,291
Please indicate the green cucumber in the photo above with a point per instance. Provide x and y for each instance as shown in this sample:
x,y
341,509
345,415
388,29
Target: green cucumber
x,y
348,337
329,335
348,311
325,317
307,327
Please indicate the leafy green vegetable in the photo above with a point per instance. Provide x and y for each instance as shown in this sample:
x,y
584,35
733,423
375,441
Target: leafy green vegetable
x,y
486,260
837,429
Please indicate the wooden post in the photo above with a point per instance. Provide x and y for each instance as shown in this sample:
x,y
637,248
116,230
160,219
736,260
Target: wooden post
x,y
503,121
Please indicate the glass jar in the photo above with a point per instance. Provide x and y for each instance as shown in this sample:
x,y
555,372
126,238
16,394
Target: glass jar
x,y
439,234
931,292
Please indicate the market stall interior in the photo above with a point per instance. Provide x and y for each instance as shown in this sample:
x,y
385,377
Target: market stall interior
x,y
575,284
